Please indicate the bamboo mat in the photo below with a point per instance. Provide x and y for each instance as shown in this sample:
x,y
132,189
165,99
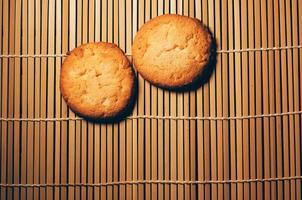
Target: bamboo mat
x,y
236,137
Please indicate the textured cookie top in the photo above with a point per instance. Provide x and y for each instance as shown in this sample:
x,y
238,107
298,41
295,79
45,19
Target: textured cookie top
x,y
171,50
97,80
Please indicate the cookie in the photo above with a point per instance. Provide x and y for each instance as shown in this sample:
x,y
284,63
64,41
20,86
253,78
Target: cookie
x,y
172,51
97,81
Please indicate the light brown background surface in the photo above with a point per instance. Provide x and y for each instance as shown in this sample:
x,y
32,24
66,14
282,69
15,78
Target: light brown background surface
x,y
245,83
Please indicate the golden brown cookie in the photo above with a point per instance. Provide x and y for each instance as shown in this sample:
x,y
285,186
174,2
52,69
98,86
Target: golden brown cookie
x,y
97,80
172,50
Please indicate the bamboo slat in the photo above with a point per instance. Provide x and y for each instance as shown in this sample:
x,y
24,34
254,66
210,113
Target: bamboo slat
x,y
69,42
271,79
17,94
297,94
37,94
4,92
129,131
24,102
43,94
10,103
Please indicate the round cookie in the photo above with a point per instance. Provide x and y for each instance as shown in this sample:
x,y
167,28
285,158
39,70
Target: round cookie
x,y
172,51
97,81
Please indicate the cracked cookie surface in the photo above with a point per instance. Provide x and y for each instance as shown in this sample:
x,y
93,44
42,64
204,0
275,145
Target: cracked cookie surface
x,y
97,80
172,50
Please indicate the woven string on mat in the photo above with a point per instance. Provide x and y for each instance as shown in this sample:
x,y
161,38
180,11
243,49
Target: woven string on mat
x,y
135,182
160,117
127,54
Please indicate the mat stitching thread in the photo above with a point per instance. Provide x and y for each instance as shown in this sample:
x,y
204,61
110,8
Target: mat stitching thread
x,y
133,182
161,117
127,54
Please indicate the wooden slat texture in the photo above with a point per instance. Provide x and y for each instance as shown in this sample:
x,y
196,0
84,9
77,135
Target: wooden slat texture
x,y
272,105
252,91
141,133
50,137
241,84
37,94
10,98
219,104
135,136
225,100
1,51
24,104
285,97
60,135
4,93
289,36
30,99
245,97
129,132
232,101
238,98
278,96
67,130
265,100
69,42
17,94
299,62
296,95
258,98
43,95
